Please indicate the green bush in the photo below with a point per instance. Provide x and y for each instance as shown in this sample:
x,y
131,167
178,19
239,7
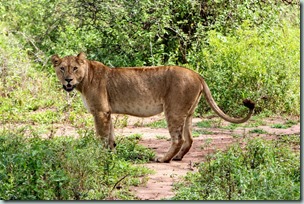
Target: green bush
x,y
64,168
14,60
263,170
262,66
128,149
133,33
241,46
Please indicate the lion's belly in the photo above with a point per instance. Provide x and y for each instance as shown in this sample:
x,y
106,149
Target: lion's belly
x,y
140,109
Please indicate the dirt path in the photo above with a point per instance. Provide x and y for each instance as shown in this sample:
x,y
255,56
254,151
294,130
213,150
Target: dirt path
x,y
159,186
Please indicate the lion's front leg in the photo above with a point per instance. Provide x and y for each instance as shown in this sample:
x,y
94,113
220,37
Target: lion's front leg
x,y
111,136
104,128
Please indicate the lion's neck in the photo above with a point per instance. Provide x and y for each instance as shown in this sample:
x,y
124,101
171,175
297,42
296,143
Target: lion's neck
x,y
96,73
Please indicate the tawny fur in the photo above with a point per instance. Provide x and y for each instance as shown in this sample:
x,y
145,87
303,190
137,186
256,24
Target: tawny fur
x,y
142,92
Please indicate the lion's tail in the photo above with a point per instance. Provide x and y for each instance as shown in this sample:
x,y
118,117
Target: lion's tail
x,y
248,103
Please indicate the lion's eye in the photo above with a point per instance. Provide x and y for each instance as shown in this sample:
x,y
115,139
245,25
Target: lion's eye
x,y
62,69
75,69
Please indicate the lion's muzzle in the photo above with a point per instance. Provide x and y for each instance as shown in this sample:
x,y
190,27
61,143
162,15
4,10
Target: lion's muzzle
x,y
68,87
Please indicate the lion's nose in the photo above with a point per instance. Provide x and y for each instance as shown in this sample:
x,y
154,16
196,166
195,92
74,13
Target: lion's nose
x,y
69,80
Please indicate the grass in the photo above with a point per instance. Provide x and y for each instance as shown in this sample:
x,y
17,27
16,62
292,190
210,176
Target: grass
x,y
65,168
206,144
284,125
197,133
204,124
120,122
158,124
231,126
258,131
279,126
161,137
291,139
264,170
129,150
255,121
234,135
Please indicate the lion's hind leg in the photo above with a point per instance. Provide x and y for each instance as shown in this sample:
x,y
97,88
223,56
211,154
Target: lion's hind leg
x,y
175,126
188,129
188,140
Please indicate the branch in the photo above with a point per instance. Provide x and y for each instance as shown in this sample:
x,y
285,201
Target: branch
x,y
118,182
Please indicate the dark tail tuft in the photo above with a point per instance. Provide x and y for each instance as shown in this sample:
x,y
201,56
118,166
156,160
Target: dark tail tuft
x,y
249,104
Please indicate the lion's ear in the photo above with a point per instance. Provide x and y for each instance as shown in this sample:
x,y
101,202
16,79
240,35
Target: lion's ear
x,y
55,60
81,57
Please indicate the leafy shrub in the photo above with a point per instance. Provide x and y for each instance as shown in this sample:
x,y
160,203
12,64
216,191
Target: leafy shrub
x,y
132,33
12,54
129,33
264,170
240,45
128,149
262,66
63,168
24,89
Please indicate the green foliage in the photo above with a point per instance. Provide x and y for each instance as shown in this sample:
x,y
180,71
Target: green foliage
x,y
129,149
162,137
129,33
232,126
12,53
158,124
287,124
204,124
264,170
256,121
197,133
27,95
262,66
258,131
37,24
242,48
291,139
64,168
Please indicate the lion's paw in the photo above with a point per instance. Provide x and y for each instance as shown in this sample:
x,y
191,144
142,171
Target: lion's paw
x,y
161,160
177,158
158,160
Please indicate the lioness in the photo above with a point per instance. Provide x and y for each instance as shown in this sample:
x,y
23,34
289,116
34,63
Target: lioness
x,y
142,92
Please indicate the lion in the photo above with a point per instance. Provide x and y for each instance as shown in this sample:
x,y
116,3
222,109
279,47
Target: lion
x,y
141,92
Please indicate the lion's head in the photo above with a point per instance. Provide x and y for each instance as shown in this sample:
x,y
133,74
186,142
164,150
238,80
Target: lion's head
x,y
70,70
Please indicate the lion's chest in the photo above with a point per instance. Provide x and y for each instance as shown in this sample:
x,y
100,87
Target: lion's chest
x,y
85,102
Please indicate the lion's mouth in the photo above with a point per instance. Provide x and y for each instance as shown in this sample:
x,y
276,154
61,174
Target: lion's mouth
x,y
68,87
